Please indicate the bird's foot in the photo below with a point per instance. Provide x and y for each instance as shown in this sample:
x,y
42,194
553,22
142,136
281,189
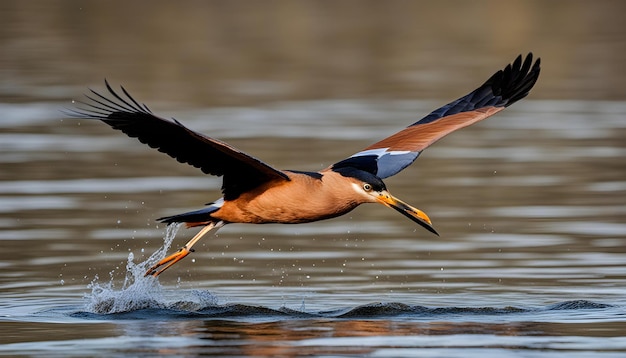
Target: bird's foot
x,y
168,261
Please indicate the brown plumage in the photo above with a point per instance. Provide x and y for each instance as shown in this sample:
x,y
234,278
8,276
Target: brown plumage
x,y
420,137
254,192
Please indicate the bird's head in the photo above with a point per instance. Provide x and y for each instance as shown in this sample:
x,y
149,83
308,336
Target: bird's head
x,y
372,189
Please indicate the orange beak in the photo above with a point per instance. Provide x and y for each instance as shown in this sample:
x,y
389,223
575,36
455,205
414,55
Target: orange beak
x,y
407,210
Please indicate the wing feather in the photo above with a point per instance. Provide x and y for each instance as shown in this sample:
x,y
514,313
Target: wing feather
x,y
241,171
394,153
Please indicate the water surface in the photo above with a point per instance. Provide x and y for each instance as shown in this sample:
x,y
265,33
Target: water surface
x,y
530,204
531,253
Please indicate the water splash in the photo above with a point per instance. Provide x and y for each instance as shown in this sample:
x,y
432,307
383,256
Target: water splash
x,y
139,292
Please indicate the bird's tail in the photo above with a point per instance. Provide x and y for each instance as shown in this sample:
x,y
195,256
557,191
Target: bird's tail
x,y
194,218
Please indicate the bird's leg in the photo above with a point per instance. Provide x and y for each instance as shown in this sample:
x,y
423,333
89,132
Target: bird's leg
x,y
182,252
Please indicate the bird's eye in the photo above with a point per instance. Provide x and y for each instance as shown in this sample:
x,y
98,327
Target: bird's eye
x,y
367,187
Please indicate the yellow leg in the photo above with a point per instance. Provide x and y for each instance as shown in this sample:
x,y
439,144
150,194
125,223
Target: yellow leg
x,y
182,252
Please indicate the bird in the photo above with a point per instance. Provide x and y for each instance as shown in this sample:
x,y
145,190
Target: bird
x,y
255,192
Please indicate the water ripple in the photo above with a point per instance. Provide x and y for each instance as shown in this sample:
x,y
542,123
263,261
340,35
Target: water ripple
x,y
151,308
121,185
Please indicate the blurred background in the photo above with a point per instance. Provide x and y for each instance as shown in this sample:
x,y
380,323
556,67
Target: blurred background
x,y
530,204
302,84
208,53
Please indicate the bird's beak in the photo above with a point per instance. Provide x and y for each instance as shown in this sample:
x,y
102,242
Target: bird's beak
x,y
407,210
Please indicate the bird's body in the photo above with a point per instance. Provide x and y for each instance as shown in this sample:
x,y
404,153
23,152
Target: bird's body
x,y
290,202
254,192
287,202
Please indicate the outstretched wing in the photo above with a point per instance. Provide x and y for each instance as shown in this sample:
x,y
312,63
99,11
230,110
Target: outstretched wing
x,y
241,172
394,153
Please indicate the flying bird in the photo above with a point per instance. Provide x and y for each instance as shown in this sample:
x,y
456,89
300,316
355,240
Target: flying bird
x,y
254,192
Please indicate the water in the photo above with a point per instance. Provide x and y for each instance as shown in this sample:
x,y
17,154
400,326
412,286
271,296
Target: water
x,y
530,261
530,204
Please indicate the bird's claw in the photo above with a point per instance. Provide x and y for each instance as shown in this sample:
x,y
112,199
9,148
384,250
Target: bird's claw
x,y
168,261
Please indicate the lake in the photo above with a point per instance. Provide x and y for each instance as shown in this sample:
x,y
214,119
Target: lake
x,y
530,204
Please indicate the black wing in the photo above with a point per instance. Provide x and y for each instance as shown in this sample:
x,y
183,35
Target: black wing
x,y
241,172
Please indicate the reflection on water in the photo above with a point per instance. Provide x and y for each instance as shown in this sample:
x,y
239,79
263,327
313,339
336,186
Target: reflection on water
x,y
536,238
530,204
